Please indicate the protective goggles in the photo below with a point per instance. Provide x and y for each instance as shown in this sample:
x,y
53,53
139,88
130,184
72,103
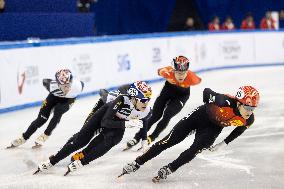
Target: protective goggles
x,y
143,100
249,108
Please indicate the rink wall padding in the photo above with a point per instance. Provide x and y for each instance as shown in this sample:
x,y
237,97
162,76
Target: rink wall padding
x,y
107,62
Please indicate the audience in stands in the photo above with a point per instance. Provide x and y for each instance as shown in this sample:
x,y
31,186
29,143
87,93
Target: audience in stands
x,y
228,24
2,6
189,24
267,22
248,23
83,5
281,19
214,25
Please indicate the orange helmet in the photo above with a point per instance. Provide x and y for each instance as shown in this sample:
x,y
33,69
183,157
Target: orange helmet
x,y
248,96
181,63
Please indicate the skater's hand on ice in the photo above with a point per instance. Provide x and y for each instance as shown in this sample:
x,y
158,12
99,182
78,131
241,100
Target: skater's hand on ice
x,y
134,123
218,146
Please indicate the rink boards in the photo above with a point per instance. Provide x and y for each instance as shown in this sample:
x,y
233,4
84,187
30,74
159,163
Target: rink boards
x,y
107,62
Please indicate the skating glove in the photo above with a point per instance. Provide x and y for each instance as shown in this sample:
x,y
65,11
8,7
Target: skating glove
x,y
211,98
134,123
218,146
46,83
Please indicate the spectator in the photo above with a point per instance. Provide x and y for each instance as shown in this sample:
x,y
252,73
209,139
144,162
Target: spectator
x,y
2,6
189,24
214,25
228,24
84,5
281,19
267,22
248,23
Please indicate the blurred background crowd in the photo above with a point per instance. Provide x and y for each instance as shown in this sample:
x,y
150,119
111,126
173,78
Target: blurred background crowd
x,y
21,19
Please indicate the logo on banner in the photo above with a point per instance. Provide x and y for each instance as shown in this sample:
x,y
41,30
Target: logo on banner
x,y
123,62
28,76
231,50
83,66
202,51
156,58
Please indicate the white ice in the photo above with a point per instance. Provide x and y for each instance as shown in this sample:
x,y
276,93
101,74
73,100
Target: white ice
x,y
252,161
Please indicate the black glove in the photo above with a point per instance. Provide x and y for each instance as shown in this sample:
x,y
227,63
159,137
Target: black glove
x,y
46,83
208,95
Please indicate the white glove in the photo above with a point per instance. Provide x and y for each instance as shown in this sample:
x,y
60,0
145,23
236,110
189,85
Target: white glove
x,y
144,145
218,146
134,123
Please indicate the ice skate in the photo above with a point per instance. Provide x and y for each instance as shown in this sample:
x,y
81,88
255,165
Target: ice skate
x,y
40,141
129,168
73,166
44,166
162,174
130,144
17,142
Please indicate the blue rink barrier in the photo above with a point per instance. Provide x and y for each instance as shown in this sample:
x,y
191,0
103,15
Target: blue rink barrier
x,y
70,41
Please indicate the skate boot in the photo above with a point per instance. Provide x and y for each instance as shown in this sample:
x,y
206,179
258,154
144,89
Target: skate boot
x,y
73,166
162,174
44,166
130,144
40,140
77,156
129,168
17,142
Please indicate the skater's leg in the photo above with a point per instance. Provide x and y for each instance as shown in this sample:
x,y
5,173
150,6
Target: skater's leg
x,y
173,107
43,116
101,144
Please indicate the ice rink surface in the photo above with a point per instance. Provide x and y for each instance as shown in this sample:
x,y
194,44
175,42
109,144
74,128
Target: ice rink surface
x,y
252,161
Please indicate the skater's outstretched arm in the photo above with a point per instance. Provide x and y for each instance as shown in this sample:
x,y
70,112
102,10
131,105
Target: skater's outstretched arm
x,y
233,135
114,107
210,96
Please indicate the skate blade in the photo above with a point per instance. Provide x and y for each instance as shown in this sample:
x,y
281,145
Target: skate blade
x,y
156,179
67,172
127,148
11,147
36,146
120,175
36,172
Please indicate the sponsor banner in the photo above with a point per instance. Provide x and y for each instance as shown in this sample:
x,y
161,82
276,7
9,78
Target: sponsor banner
x,y
98,65
224,50
269,47
185,46
113,63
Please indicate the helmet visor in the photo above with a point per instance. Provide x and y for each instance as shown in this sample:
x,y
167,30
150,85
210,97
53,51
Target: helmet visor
x,y
249,108
143,100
